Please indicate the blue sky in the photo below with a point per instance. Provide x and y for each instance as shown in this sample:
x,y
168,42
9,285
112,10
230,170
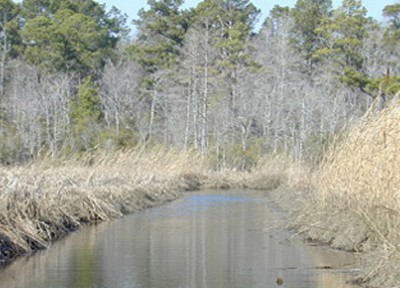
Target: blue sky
x,y
131,7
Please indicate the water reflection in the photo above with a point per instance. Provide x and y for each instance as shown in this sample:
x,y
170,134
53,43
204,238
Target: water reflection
x,y
208,240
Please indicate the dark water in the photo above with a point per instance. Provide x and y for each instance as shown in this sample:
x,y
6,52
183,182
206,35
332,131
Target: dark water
x,y
208,240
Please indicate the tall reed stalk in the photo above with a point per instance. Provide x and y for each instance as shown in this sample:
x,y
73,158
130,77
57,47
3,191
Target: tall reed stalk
x,y
355,202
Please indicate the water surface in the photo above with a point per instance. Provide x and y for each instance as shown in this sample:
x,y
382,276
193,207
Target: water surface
x,y
208,239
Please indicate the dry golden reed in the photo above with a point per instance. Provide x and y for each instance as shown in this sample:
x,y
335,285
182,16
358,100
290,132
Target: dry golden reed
x,y
270,172
364,168
356,204
43,201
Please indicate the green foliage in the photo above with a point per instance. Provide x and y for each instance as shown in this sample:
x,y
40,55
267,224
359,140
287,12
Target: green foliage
x,y
386,86
351,26
161,31
234,21
342,39
350,21
341,36
43,43
393,12
86,115
392,34
123,139
9,28
69,35
354,78
86,106
276,15
35,8
308,15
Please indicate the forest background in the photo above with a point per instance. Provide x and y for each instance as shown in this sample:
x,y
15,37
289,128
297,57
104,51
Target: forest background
x,y
73,80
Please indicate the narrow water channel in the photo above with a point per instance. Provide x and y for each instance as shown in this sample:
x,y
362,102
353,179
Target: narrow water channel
x,y
209,239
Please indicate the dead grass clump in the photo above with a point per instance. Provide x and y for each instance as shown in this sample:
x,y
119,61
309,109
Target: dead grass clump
x,y
355,200
43,201
270,173
274,171
226,179
192,181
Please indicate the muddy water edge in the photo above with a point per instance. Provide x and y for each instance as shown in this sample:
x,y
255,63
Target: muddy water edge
x,y
205,239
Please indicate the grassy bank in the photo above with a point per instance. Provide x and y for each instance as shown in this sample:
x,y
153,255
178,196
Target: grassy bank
x,y
43,201
352,201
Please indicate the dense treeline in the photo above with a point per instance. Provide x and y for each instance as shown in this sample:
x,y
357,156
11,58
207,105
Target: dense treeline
x,y
71,79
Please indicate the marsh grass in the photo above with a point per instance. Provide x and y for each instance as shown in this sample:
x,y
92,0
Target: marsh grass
x,y
43,201
270,172
353,199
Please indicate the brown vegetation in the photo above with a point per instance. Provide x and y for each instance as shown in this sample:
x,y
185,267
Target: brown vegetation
x,y
43,201
352,201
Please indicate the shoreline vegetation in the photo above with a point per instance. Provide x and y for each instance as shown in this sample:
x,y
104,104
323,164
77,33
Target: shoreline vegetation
x,y
45,200
349,200
352,201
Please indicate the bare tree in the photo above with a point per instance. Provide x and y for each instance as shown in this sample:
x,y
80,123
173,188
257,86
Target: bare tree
x,y
119,95
198,81
37,110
